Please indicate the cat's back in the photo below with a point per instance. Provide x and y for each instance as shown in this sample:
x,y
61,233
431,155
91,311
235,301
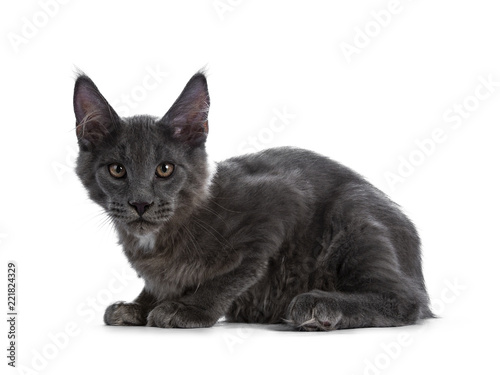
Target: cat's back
x,y
277,158
303,180
284,166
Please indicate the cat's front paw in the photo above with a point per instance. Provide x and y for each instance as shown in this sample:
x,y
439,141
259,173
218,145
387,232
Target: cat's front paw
x,y
125,314
178,315
314,311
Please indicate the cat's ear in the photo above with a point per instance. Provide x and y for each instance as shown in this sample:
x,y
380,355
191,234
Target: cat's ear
x,y
95,118
187,119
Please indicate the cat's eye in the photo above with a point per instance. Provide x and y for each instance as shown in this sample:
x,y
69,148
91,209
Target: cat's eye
x,y
164,170
117,170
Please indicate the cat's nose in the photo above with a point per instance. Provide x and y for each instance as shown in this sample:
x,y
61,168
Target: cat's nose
x,y
140,207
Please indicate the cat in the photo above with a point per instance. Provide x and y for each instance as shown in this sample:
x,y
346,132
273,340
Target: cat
x,y
280,236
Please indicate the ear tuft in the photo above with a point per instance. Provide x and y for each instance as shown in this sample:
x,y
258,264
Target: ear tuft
x,y
95,119
187,119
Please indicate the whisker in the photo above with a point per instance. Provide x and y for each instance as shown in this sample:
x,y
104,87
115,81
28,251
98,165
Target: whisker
x,y
214,212
224,208
204,226
190,237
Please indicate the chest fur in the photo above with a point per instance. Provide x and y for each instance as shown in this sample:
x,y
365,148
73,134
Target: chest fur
x,y
173,267
167,272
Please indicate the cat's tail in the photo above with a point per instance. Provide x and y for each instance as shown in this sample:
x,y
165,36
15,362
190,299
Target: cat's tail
x,y
426,313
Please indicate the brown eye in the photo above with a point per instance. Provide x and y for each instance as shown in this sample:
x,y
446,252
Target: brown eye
x,y
164,170
117,170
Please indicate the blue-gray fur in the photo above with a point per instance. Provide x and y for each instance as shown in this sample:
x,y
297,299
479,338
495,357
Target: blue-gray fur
x,y
283,235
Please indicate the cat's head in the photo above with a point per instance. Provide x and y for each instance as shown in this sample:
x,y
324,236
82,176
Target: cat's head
x,y
143,171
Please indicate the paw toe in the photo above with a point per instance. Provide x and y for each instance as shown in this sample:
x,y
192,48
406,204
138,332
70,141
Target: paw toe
x,y
308,312
123,314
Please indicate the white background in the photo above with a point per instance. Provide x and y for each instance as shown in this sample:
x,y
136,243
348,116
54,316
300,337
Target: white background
x,y
367,110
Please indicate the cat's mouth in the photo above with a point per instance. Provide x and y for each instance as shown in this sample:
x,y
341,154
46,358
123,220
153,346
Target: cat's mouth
x,y
142,226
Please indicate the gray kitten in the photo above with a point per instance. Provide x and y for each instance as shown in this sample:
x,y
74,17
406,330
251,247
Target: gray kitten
x,y
283,235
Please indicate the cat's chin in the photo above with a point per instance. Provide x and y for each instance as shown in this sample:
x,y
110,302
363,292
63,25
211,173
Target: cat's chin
x,y
142,227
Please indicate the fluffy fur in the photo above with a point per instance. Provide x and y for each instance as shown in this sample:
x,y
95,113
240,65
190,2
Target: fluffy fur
x,y
284,235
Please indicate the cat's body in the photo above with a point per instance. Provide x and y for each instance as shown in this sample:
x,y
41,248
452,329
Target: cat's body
x,y
284,235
